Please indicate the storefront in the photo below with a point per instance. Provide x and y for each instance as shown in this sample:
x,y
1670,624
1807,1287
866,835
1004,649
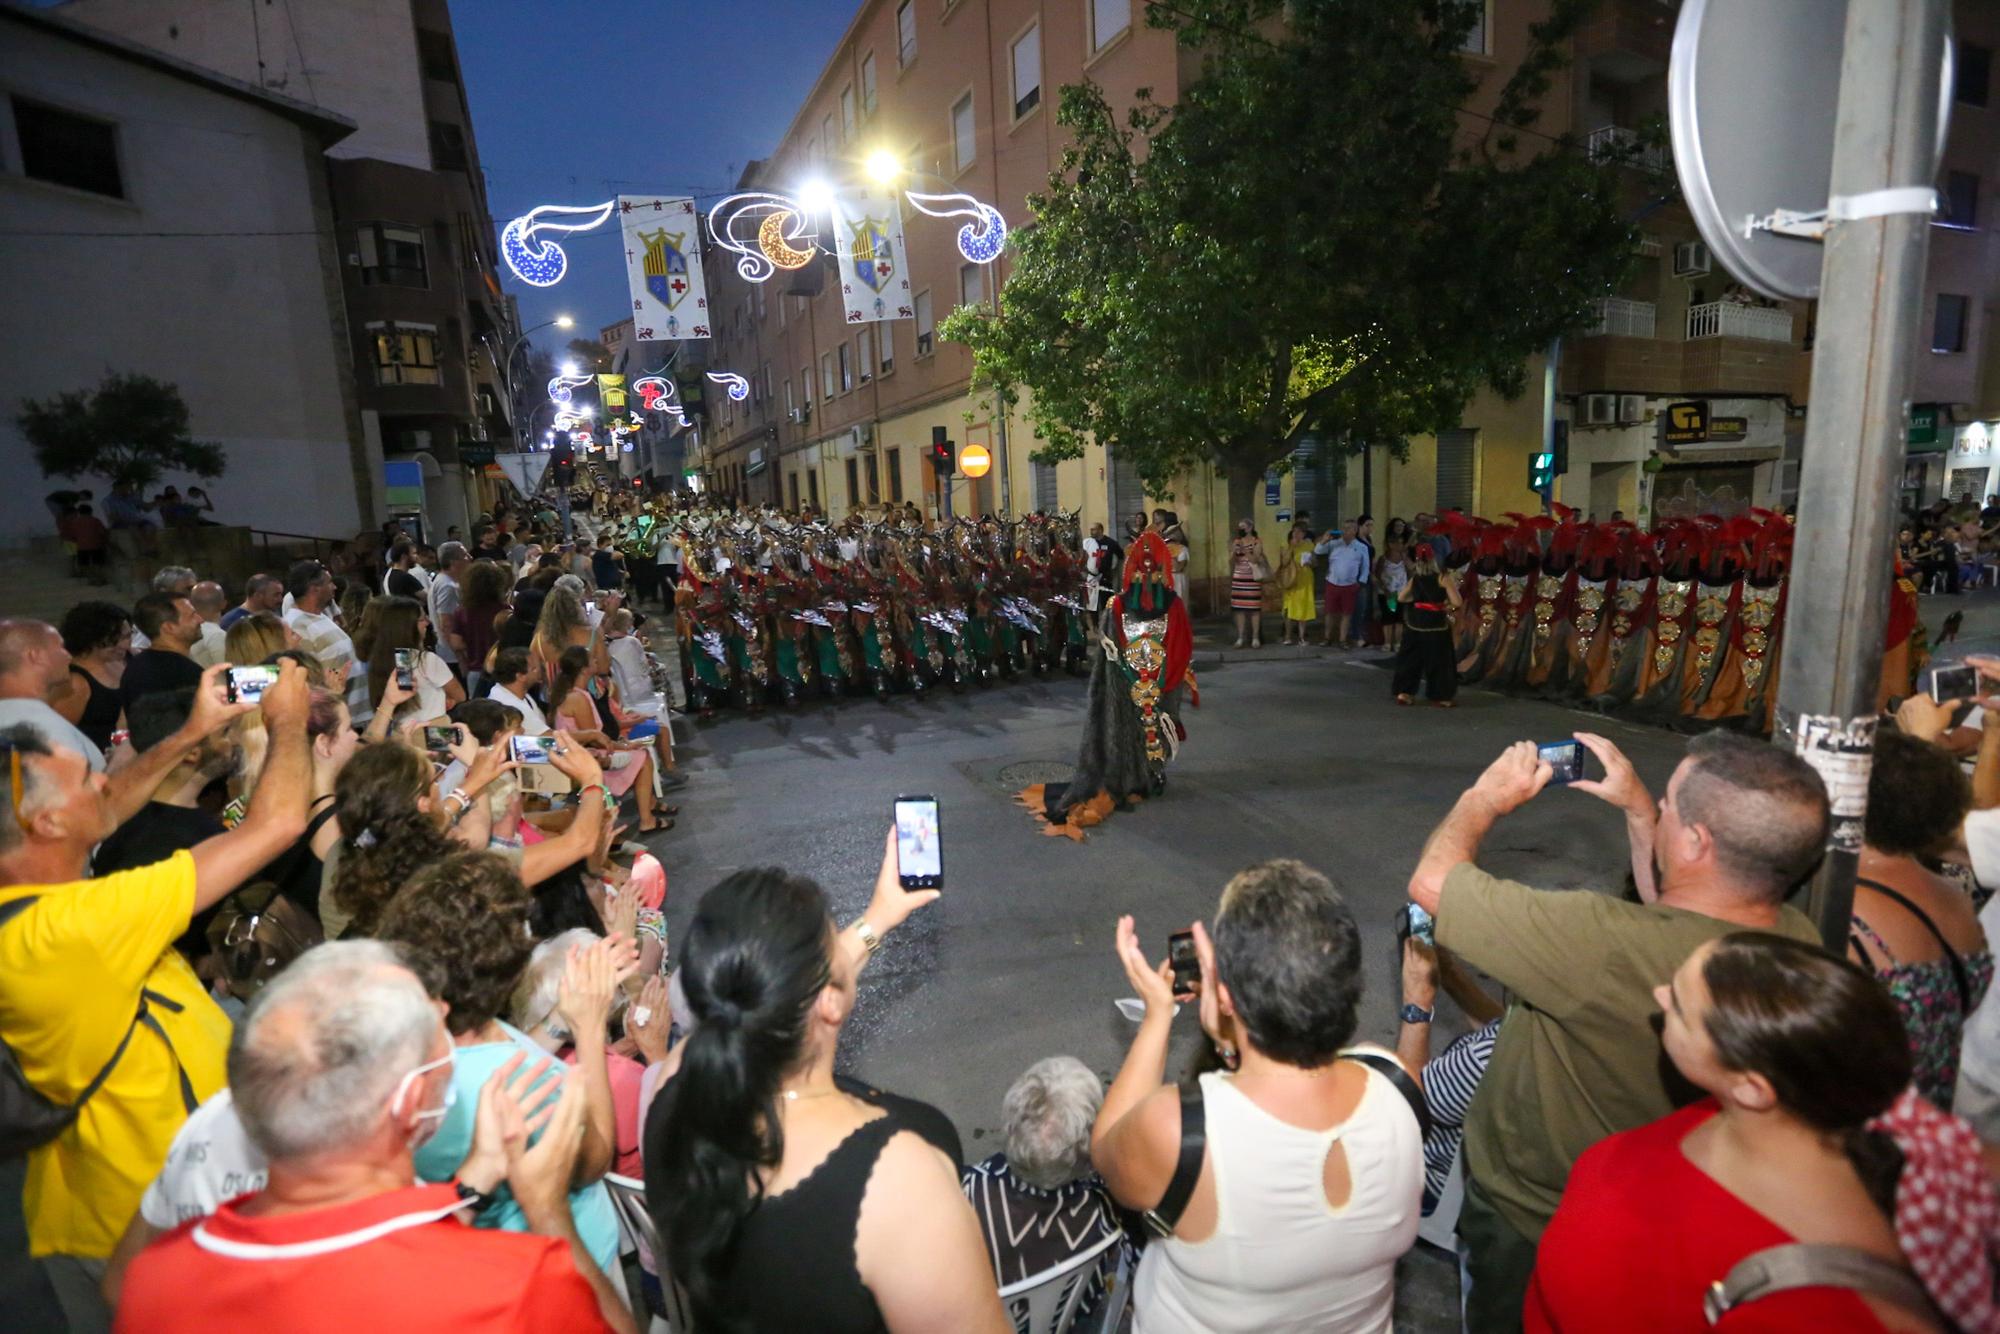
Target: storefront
x,y
1968,465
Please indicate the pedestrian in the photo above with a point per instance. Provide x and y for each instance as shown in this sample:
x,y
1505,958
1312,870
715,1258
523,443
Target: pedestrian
x,y
1426,602
170,623
90,540
1391,573
400,581
1101,556
208,601
1248,569
1364,604
1347,568
262,592
443,600
311,587
1295,581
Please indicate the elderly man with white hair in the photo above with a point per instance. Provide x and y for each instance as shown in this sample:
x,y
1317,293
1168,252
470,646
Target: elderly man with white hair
x,y
1039,1203
339,1071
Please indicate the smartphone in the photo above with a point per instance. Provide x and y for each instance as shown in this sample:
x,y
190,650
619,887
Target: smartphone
x,y
1422,925
1565,757
1950,683
532,749
919,851
406,668
439,740
248,684
1185,963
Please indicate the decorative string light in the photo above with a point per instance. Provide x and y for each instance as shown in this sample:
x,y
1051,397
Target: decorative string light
x,y
656,392
981,240
764,232
560,387
540,262
738,387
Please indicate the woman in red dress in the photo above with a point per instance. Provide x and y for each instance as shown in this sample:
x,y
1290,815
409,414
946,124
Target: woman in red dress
x,y
1807,1070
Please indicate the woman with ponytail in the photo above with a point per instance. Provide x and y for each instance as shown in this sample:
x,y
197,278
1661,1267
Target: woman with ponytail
x,y
788,1199
1810,1133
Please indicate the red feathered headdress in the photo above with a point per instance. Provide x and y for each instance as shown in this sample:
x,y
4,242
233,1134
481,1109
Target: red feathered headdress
x,y
1148,556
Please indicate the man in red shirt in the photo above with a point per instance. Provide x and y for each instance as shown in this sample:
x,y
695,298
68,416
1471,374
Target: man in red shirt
x,y
339,1071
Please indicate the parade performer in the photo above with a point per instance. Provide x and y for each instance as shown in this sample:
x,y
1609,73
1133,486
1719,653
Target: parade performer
x,y
1657,689
1742,686
1132,725
1426,654
1615,675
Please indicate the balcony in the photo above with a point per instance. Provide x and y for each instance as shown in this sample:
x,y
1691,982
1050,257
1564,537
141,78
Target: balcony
x,y
1627,40
1728,319
1617,316
1609,141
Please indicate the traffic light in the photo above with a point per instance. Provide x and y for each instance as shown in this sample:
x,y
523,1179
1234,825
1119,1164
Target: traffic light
x,y
1541,472
943,452
1561,446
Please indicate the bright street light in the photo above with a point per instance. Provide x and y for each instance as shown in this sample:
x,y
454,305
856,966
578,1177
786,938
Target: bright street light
x,y
817,196
564,322
884,167
569,368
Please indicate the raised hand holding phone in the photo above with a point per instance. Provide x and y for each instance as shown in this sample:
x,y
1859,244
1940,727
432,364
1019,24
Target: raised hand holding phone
x,y
891,904
919,845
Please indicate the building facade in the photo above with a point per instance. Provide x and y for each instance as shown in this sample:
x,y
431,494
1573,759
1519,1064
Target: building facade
x,y
428,327
167,220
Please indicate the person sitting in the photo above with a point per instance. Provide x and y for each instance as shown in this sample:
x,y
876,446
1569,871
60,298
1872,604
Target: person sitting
x,y
339,1074
78,956
1809,1134
1039,1203
1312,1169
516,672
789,1200
628,767
549,1002
464,919
1742,822
1915,930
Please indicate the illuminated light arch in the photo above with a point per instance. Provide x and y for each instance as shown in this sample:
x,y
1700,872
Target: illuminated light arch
x,y
980,240
763,231
736,385
541,262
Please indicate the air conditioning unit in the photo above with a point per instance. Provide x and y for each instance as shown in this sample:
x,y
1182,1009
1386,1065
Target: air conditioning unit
x,y
1600,409
1631,407
1691,258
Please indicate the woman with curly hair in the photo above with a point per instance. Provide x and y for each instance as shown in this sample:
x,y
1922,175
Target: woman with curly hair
x,y
98,636
382,799
463,923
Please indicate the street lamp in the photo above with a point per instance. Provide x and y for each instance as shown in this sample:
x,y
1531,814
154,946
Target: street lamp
x,y
884,167
507,367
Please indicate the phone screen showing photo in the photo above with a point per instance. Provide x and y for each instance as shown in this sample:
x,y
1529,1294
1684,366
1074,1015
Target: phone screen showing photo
x,y
1181,957
1950,683
248,684
1565,757
919,853
533,749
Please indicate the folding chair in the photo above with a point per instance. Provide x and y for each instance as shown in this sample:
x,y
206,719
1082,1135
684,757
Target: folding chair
x,y
635,1226
1046,1303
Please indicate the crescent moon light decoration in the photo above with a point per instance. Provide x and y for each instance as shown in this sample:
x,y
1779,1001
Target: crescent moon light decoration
x,y
738,387
981,240
771,240
541,262
766,232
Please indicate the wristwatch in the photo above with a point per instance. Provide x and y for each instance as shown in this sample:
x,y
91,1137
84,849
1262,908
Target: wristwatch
x,y
1417,1014
471,1197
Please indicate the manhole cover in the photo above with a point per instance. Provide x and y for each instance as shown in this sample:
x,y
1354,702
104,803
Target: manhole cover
x,y
1029,772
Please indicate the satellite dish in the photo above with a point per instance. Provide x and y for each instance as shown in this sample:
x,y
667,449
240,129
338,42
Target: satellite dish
x,y
1752,92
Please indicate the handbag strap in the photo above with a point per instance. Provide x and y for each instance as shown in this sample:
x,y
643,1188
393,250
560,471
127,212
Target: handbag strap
x,y
1804,1265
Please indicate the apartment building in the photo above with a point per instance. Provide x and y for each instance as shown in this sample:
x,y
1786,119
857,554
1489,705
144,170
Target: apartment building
x,y
135,244
427,323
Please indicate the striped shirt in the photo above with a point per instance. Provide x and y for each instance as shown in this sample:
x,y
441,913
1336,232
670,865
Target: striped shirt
x,y
1030,1230
320,635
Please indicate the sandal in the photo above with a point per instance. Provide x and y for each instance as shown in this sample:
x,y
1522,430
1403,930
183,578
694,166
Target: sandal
x,y
1405,700
660,827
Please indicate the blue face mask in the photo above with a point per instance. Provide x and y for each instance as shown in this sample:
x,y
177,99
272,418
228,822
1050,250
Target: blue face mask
x,y
430,1118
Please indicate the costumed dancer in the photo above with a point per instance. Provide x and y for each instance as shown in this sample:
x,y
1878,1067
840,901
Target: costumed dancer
x,y
1657,689
1523,572
1483,628
1907,647
1132,725
1586,642
1718,589
1616,676
1742,685
1555,589
1426,653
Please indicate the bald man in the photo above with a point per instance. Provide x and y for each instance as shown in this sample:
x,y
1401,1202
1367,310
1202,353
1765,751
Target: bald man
x,y
34,669
209,602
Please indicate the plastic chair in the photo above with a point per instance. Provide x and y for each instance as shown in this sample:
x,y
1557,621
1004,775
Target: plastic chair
x,y
635,1225
1046,1303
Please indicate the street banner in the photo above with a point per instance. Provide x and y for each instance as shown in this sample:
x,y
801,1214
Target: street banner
x,y
663,265
874,267
524,470
611,393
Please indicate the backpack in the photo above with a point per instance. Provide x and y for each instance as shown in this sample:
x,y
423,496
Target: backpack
x,y
28,1117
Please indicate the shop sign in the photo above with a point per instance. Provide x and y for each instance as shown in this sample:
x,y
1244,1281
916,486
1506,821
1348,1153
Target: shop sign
x,y
1728,428
1684,423
1923,423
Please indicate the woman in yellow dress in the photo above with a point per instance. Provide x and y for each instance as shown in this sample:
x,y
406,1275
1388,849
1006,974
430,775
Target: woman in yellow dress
x,y
1295,579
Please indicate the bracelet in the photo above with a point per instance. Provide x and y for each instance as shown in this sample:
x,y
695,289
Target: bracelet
x,y
470,1197
869,940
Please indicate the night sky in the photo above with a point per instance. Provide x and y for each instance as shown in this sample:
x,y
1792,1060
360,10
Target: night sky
x,y
628,97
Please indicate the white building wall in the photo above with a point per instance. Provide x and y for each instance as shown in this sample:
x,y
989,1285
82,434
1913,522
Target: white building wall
x,y
241,324
354,57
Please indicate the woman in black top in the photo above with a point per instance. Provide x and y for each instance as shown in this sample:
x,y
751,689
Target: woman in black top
x,y
98,636
1427,600
789,1200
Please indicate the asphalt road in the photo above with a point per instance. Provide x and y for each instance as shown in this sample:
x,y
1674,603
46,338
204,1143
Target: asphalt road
x,y
1294,753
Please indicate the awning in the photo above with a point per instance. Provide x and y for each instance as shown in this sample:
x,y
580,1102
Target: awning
x,y
1695,456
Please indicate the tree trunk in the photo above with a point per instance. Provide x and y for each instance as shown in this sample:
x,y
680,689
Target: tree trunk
x,y
1245,482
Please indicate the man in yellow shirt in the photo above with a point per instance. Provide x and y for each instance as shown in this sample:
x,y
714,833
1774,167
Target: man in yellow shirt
x,y
87,967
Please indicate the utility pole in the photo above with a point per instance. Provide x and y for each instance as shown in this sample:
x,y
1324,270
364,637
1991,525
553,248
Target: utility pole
x,y
1871,304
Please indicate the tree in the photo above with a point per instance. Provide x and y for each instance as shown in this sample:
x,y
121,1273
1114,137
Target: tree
x,y
130,429
1309,242
591,356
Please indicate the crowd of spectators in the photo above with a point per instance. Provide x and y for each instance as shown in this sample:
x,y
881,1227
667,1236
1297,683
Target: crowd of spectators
x,y
322,1009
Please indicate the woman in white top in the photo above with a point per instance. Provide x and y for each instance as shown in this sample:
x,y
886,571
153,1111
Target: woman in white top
x,y
1312,1174
401,624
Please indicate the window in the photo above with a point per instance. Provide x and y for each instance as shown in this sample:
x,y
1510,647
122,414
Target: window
x,y
853,484
826,131
447,146
791,407
1975,66
1457,454
896,475
1108,18
963,145
1948,324
874,481
1958,200
405,353
888,348
847,112
864,356
812,152
868,84
926,329
1046,496
1028,71
1477,39
971,284
760,388
806,385
793,482
906,32
759,299
825,376
434,53
846,369
63,148
391,256
812,485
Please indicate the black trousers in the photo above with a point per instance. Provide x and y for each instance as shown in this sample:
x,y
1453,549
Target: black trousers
x,y
1426,656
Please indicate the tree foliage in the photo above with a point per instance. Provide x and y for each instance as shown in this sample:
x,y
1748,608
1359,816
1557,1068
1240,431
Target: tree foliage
x,y
1315,239
131,428
591,356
